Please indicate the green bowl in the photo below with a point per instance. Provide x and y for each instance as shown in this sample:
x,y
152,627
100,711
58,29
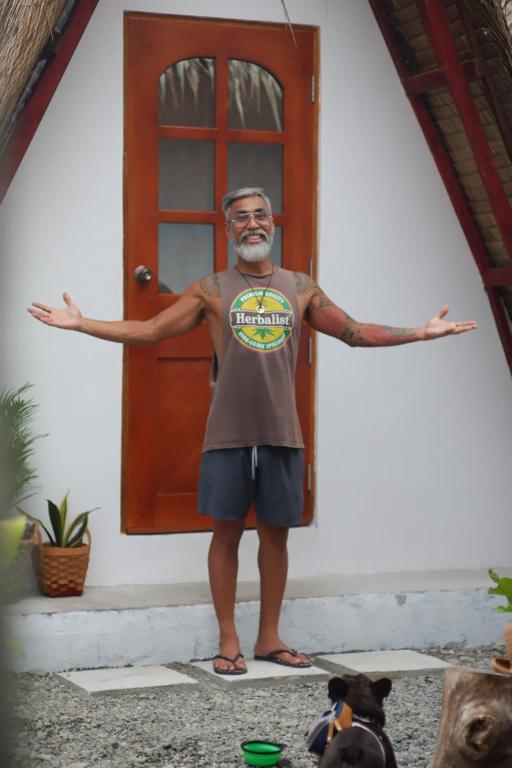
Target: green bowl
x,y
262,752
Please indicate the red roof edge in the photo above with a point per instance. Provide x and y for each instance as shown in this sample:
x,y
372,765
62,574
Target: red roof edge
x,y
456,77
32,114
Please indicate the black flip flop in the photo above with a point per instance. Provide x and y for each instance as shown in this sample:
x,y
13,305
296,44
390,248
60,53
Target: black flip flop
x,y
235,670
274,658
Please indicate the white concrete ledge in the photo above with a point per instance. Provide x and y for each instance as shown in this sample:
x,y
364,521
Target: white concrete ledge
x,y
116,626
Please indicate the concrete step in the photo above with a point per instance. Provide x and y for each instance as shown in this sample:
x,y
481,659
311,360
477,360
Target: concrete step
x,y
161,624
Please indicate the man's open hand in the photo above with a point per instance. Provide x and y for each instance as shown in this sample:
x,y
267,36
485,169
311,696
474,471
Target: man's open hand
x,y
67,317
438,326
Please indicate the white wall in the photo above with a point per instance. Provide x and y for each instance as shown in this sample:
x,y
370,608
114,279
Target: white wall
x,y
414,443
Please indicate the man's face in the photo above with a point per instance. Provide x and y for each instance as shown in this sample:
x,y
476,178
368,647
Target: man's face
x,y
251,229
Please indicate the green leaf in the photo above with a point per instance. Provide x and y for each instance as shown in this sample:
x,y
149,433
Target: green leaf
x,y
77,538
11,532
263,332
63,509
56,521
17,438
43,526
503,589
76,524
14,645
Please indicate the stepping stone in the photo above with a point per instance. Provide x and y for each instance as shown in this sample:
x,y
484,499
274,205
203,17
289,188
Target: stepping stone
x,y
373,662
259,670
125,678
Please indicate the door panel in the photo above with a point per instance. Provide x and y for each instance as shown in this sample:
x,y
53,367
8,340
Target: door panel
x,y
209,105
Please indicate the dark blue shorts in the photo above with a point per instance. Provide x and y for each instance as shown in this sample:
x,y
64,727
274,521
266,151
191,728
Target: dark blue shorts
x,y
270,477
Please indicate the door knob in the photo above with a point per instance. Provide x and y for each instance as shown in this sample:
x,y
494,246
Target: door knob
x,y
143,274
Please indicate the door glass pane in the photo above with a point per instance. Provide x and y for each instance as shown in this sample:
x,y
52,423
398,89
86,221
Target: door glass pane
x,y
276,256
187,94
257,165
255,98
186,174
185,253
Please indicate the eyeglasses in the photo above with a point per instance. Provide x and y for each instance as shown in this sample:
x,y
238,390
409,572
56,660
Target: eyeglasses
x,y
242,217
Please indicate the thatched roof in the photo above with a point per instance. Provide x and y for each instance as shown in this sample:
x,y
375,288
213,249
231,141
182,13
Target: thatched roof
x,y
482,33
27,31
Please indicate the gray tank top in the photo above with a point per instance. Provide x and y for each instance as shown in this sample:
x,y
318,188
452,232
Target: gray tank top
x,y
253,399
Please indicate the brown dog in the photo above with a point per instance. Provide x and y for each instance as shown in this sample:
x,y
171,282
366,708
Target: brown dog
x,y
364,744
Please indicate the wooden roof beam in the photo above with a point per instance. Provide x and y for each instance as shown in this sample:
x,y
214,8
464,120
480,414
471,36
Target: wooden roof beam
x,y
434,78
497,276
439,33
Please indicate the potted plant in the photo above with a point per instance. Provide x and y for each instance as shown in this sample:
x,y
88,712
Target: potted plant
x,y
17,479
61,562
504,589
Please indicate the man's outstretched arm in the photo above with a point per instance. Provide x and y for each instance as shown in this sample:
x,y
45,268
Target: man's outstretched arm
x,y
181,317
324,316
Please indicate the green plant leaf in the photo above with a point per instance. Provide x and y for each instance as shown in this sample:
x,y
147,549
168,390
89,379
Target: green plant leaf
x,y
11,532
16,448
77,538
14,645
63,509
56,521
78,522
503,589
43,526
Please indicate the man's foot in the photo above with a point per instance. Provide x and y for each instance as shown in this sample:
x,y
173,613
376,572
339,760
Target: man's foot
x,y
229,660
225,665
281,654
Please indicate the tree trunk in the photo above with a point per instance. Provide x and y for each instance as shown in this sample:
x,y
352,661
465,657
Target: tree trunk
x,y
476,721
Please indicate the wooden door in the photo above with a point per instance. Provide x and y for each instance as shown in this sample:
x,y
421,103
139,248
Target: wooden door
x,y
209,106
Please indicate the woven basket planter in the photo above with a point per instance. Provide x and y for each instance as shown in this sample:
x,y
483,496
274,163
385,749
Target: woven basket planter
x,y
61,571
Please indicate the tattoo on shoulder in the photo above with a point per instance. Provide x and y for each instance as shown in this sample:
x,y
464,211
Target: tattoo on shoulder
x,y
210,285
305,283
324,300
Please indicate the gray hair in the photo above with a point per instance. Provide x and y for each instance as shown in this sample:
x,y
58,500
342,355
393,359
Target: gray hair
x,y
237,194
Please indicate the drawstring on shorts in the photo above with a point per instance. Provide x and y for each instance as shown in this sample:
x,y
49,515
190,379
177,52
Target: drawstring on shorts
x,y
254,461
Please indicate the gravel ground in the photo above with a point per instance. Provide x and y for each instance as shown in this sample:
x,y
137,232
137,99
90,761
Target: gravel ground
x,y
202,725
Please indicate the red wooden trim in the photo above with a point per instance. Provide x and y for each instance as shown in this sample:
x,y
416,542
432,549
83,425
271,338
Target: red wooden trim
x,y
439,33
502,322
188,217
191,132
212,134
436,146
451,182
484,73
497,276
29,119
434,78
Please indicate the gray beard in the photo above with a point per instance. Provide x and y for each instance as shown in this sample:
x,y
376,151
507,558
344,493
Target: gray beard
x,y
252,253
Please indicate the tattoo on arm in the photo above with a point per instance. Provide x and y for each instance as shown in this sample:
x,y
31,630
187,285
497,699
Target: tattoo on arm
x,y
399,332
324,300
210,285
351,333
370,335
305,283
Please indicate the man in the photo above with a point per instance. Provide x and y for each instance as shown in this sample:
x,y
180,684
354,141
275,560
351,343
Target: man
x,y
253,450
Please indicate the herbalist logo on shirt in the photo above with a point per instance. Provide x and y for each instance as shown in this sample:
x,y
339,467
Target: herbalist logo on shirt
x,y
262,331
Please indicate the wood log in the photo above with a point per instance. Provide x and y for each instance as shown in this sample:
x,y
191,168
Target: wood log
x,y
476,721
